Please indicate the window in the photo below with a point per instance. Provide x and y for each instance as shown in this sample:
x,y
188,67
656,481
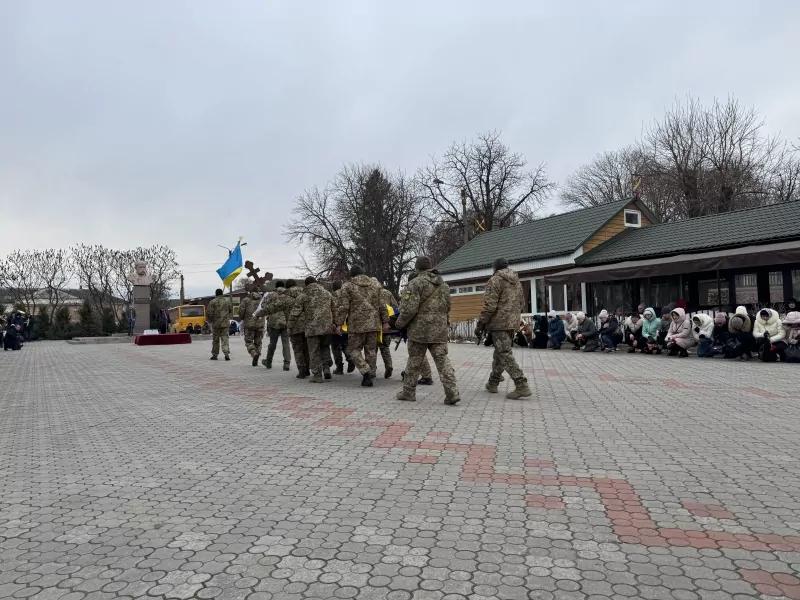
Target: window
x,y
776,286
557,295
746,288
708,292
192,311
541,298
663,291
480,288
796,284
453,291
633,218
465,290
526,295
574,296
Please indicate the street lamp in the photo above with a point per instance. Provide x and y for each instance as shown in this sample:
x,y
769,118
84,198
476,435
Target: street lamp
x,y
438,182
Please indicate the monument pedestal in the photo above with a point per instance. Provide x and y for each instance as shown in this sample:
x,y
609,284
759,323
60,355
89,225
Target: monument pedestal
x,y
141,304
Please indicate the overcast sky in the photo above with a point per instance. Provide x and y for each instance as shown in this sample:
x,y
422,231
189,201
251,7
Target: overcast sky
x,y
191,123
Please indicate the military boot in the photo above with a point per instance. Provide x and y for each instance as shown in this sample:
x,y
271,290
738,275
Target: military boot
x,y
267,363
351,366
425,381
388,372
213,357
366,380
339,369
491,386
452,400
521,389
326,373
255,359
316,378
227,357
406,396
301,374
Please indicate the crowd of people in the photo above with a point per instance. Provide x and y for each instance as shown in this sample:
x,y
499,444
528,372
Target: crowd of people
x,y
740,334
339,327
14,329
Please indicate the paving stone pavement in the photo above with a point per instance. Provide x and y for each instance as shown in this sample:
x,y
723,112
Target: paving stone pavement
x,y
131,472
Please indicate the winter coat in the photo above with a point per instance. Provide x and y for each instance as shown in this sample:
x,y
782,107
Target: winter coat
x,y
360,306
680,329
247,307
219,312
425,309
276,307
610,327
314,308
702,326
772,327
650,326
791,327
571,325
721,333
502,302
555,329
629,325
740,322
587,329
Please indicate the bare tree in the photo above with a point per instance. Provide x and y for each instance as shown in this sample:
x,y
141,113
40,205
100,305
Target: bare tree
x,y
21,277
694,161
500,189
56,269
365,216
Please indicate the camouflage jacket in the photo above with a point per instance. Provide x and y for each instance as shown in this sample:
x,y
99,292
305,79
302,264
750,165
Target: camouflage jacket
x,y
276,306
219,312
360,306
294,322
425,309
247,307
387,297
502,302
315,308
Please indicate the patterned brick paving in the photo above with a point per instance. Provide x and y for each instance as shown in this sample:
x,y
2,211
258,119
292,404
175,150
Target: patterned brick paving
x,y
132,472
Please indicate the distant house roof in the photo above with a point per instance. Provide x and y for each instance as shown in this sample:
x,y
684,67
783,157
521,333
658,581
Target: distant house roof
x,y
734,229
551,236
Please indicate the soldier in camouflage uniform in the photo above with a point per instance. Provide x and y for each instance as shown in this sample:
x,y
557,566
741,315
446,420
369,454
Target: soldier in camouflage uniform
x,y
274,306
385,345
502,307
296,330
219,315
361,308
314,307
425,374
424,312
253,323
339,340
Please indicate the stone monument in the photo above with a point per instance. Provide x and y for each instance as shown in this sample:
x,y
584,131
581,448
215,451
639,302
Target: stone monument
x,y
141,281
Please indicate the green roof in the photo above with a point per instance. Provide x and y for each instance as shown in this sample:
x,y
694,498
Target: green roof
x,y
542,238
778,222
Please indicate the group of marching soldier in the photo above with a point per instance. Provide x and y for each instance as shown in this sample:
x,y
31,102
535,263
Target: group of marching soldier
x,y
351,323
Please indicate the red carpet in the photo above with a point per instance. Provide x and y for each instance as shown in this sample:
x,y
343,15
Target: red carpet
x,y
162,339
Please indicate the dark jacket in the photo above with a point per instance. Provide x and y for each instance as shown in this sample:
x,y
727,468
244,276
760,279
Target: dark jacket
x,y
555,329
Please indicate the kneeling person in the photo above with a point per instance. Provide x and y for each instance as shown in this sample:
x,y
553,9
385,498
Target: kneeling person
x,y
424,310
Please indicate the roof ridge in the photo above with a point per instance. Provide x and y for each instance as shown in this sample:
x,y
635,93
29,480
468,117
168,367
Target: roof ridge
x,y
719,214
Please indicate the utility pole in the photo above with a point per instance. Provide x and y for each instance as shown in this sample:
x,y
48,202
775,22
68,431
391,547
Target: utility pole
x,y
464,213
182,294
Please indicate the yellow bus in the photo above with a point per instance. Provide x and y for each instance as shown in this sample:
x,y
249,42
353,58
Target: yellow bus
x,y
188,318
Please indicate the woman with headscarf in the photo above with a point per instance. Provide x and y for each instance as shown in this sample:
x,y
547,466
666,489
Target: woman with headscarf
x,y
555,331
633,332
570,326
703,334
791,328
740,345
769,334
610,334
586,335
651,325
720,335
679,337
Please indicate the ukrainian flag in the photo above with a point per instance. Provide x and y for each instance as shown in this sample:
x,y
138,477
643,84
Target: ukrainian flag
x,y
232,267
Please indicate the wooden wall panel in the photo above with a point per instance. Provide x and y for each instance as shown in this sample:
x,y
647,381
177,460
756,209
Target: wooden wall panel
x,y
464,308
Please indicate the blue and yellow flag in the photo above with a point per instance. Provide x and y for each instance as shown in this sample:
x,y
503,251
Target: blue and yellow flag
x,y
232,267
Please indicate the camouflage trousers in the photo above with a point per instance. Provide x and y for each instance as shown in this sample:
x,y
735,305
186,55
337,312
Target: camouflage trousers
x,y
253,337
274,334
368,342
416,360
319,353
300,350
220,334
385,348
339,349
503,358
